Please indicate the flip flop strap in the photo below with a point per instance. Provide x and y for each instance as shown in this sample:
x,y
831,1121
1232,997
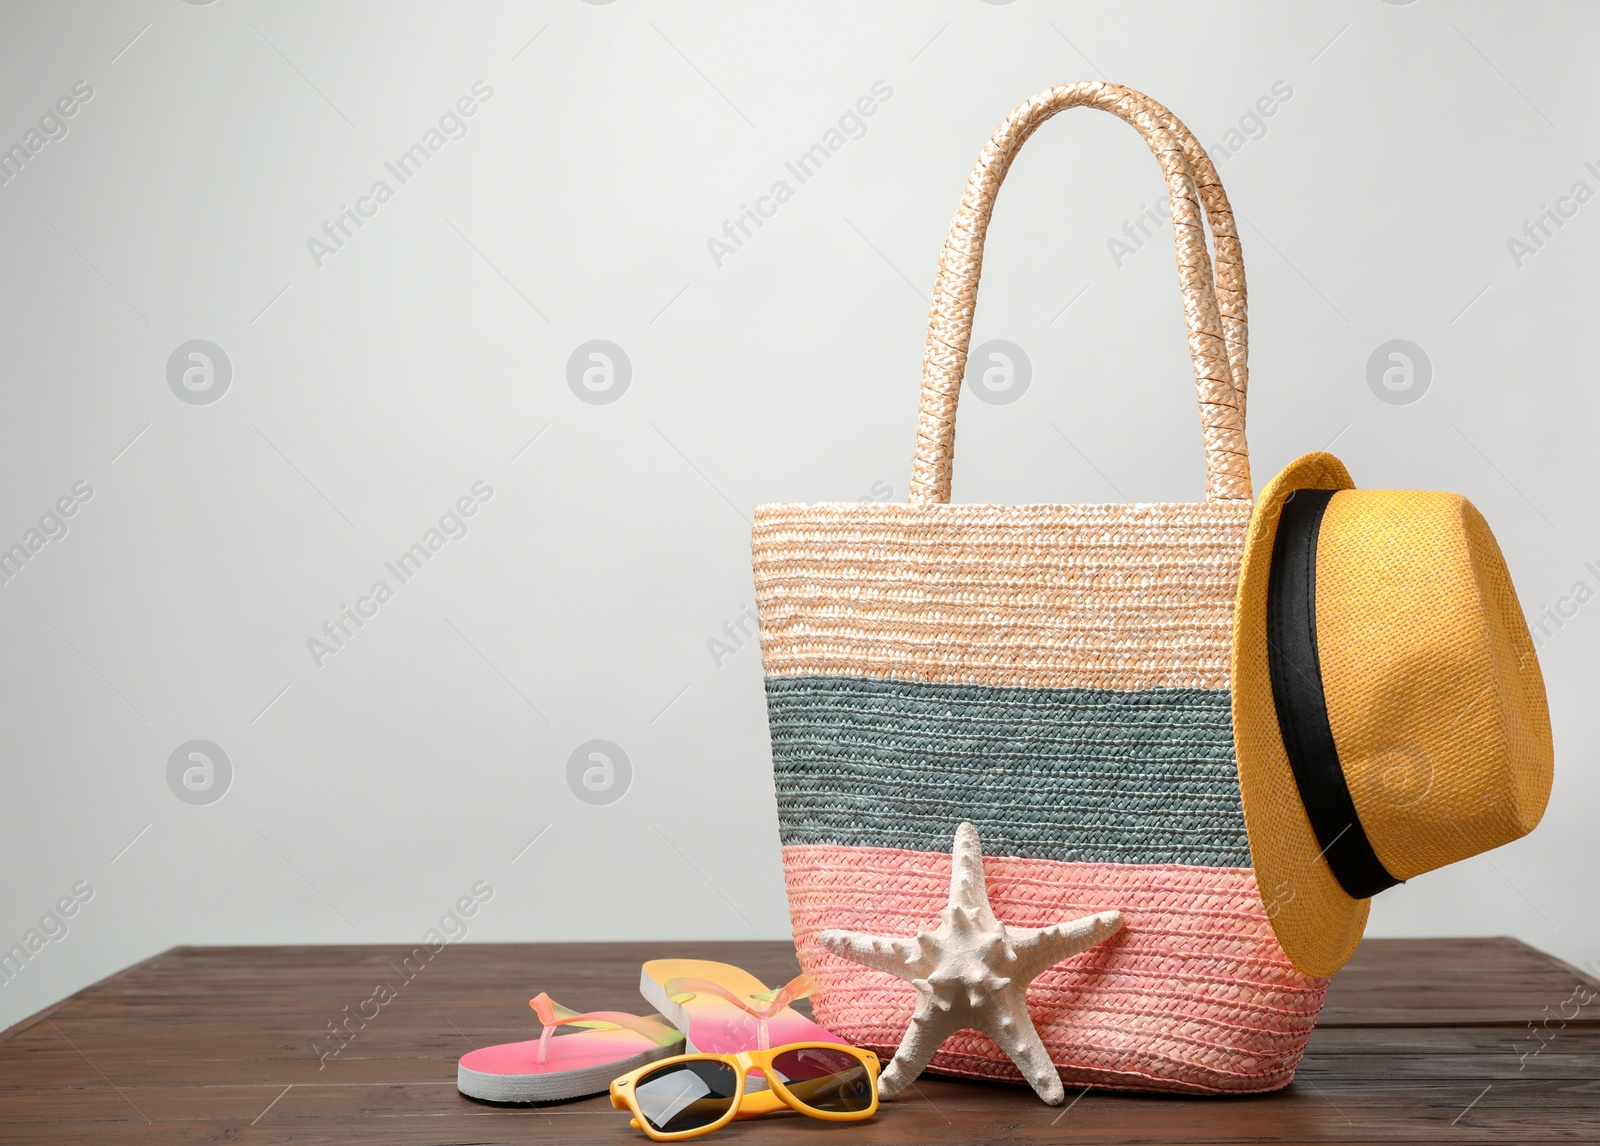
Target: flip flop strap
x,y
797,988
552,1015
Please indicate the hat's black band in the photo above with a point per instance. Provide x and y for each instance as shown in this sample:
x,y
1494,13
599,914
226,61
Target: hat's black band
x,y
1296,671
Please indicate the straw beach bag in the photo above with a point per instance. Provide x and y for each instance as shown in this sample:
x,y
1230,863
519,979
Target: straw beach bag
x,y
1057,675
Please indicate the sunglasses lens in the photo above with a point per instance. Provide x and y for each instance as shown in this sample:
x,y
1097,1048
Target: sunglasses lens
x,y
826,1079
686,1095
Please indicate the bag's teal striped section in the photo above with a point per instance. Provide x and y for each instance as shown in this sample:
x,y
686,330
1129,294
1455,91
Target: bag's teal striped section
x,y
1141,776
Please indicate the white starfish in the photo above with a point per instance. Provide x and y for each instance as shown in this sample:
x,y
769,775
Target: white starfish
x,y
972,972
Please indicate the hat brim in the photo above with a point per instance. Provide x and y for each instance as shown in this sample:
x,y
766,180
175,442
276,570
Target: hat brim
x,y
1316,922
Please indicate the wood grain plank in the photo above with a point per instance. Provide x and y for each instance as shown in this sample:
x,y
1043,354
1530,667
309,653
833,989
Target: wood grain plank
x,y
1466,1041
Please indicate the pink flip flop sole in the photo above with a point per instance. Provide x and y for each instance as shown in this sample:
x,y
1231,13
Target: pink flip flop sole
x,y
580,1063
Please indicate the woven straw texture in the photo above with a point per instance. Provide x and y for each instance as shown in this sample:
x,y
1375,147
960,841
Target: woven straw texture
x,y
1014,595
1143,776
1433,688
1058,675
1194,995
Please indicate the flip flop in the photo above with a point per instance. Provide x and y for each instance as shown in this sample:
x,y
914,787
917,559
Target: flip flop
x,y
582,1062
724,1009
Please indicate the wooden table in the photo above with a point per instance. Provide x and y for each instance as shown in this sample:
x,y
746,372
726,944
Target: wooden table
x,y
1421,1041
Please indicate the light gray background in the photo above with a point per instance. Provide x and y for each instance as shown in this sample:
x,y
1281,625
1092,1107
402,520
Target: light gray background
x,y
369,394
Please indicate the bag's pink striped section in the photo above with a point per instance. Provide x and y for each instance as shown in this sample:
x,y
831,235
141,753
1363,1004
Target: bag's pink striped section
x,y
1193,995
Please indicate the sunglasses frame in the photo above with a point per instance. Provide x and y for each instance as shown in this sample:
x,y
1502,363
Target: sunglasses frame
x,y
745,1105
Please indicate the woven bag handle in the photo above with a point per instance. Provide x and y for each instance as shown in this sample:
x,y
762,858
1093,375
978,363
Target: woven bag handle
x,y
1228,279
1213,346
1228,260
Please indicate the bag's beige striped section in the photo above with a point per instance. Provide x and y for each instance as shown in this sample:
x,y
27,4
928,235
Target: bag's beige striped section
x,y
1048,596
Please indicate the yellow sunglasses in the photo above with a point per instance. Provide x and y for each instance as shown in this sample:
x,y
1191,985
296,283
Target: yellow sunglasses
x,y
692,1094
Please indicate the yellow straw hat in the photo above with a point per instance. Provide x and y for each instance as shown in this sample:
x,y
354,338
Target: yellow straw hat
x,y
1388,710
